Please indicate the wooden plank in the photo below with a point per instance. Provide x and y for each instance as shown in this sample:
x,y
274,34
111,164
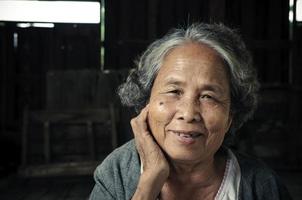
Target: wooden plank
x,y
47,188
59,169
71,116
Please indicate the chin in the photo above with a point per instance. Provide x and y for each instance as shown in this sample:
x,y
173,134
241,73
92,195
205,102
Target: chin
x,y
184,156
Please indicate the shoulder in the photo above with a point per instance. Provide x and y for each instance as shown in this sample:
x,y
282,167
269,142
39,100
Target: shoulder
x,y
258,180
125,156
252,167
119,172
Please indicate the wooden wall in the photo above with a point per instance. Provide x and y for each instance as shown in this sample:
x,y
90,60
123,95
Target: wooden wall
x,y
37,51
26,57
275,131
263,24
129,27
132,25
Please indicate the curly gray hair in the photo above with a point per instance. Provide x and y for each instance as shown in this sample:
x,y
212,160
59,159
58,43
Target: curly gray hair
x,y
135,92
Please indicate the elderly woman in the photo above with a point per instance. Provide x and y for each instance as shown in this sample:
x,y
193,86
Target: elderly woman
x,y
192,89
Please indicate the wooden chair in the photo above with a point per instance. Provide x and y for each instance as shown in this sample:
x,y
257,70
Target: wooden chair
x,y
106,116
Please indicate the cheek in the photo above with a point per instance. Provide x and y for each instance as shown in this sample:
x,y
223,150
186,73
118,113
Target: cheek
x,y
216,121
161,109
160,114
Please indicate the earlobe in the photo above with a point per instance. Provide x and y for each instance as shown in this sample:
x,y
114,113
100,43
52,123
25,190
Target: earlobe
x,y
230,120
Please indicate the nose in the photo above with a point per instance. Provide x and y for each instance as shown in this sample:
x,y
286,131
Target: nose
x,y
188,110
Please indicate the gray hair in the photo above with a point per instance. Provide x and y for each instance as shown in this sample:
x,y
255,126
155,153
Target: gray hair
x,y
135,92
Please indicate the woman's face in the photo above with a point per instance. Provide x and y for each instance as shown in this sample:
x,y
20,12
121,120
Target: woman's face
x,y
189,108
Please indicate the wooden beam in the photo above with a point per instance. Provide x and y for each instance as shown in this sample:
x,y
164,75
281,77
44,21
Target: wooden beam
x,y
59,169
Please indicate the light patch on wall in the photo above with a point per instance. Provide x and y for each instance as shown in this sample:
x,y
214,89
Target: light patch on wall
x,y
37,25
291,12
50,11
299,11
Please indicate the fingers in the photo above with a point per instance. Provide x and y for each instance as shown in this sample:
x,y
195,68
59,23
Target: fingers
x,y
139,124
142,134
152,157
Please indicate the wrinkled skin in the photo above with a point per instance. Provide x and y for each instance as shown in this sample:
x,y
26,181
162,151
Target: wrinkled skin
x,y
179,132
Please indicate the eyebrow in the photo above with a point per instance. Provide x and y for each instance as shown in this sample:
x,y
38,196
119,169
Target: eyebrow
x,y
212,87
173,81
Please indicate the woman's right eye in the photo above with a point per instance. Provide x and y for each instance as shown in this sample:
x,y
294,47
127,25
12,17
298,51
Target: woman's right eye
x,y
177,92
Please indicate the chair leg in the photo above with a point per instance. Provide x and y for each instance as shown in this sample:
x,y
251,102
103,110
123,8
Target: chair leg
x,y
91,140
24,138
113,127
46,143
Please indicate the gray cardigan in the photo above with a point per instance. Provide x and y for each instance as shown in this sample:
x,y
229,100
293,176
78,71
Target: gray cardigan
x,y
118,175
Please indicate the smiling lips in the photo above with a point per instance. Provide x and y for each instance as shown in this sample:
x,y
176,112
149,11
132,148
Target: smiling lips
x,y
187,137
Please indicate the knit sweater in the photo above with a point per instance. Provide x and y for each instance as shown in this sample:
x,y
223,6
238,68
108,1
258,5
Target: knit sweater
x,y
117,177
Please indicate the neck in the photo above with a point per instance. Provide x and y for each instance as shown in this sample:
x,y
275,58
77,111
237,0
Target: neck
x,y
201,173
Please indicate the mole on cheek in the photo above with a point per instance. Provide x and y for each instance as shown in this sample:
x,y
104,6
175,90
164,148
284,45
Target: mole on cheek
x,y
161,103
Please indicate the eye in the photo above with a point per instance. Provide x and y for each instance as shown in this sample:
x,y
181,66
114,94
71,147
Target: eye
x,y
176,91
206,96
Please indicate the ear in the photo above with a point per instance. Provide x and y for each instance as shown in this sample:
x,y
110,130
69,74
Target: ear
x,y
230,120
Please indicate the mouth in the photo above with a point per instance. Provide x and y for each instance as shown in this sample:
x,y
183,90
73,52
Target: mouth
x,y
187,137
187,134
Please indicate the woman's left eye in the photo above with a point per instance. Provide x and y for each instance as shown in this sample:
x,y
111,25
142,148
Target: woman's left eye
x,y
206,96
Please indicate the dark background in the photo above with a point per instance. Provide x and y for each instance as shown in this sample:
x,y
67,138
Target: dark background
x,y
60,68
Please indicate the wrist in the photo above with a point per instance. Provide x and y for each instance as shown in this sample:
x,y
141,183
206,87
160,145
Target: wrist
x,y
149,186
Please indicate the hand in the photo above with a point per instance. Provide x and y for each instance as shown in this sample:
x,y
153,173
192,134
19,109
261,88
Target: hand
x,y
155,166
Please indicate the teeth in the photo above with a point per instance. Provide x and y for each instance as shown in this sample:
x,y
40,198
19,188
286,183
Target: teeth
x,y
184,135
193,135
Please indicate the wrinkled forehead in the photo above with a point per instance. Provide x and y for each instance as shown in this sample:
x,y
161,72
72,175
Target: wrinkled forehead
x,y
196,53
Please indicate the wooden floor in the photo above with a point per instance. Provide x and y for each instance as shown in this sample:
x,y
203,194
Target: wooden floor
x,y
79,187
59,188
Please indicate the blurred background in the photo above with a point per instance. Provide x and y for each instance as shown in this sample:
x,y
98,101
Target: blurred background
x,y
61,63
